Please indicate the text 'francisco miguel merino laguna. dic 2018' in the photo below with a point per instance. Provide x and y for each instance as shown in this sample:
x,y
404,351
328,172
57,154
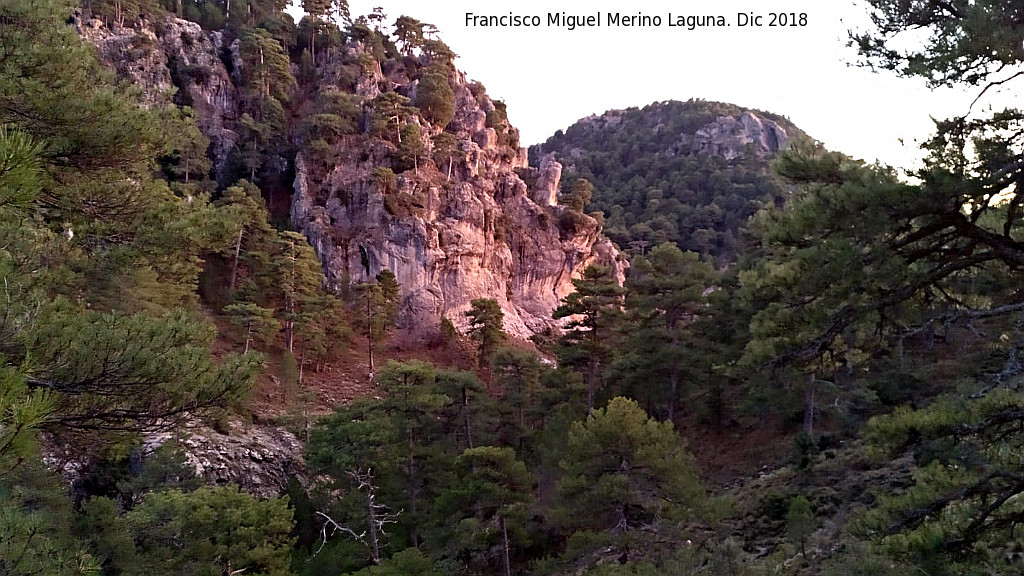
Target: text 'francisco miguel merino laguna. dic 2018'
x,y
618,19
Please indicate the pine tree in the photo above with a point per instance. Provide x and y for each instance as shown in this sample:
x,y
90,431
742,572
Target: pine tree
x,y
249,216
380,301
516,377
486,508
667,291
409,33
317,9
445,148
594,309
435,97
625,472
800,522
259,323
486,327
300,277
212,530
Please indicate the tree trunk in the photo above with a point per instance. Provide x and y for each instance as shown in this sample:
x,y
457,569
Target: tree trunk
x,y
372,517
289,333
591,383
522,426
413,492
248,336
506,564
469,427
369,331
302,364
809,403
673,371
234,263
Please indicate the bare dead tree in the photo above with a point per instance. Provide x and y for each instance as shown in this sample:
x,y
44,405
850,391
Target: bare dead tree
x,y
377,518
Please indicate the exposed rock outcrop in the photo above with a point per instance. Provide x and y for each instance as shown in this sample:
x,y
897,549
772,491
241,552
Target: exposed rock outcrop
x,y
483,232
260,459
545,190
452,230
731,137
174,60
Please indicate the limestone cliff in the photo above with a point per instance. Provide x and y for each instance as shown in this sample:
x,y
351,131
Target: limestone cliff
x,y
475,223
174,60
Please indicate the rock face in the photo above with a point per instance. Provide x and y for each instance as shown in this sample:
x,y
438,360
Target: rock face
x,y
259,459
482,232
731,137
174,61
451,229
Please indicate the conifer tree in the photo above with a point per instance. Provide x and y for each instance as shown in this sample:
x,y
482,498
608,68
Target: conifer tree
x,y
625,472
485,510
667,290
486,327
435,97
259,323
249,216
300,277
595,310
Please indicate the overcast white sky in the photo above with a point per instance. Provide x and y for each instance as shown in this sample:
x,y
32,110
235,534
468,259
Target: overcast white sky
x,y
550,77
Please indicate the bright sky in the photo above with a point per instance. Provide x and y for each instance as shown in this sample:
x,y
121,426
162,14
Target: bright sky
x,y
551,76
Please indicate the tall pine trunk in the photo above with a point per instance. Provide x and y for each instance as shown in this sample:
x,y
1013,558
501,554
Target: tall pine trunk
x,y
591,383
809,391
234,262
673,373
506,564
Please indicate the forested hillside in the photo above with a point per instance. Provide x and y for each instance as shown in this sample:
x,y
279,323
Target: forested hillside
x,y
213,363
690,173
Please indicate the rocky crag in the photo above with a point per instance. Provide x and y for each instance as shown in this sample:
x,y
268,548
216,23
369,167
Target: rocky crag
x,y
472,222
712,129
174,60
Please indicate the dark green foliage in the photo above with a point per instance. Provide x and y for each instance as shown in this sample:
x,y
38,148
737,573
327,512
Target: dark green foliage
x,y
668,303
652,190
408,562
968,41
411,148
337,114
581,194
258,323
35,525
486,327
515,375
209,531
435,97
483,514
409,33
299,280
127,372
391,111
445,148
594,310
625,472
799,522
449,333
